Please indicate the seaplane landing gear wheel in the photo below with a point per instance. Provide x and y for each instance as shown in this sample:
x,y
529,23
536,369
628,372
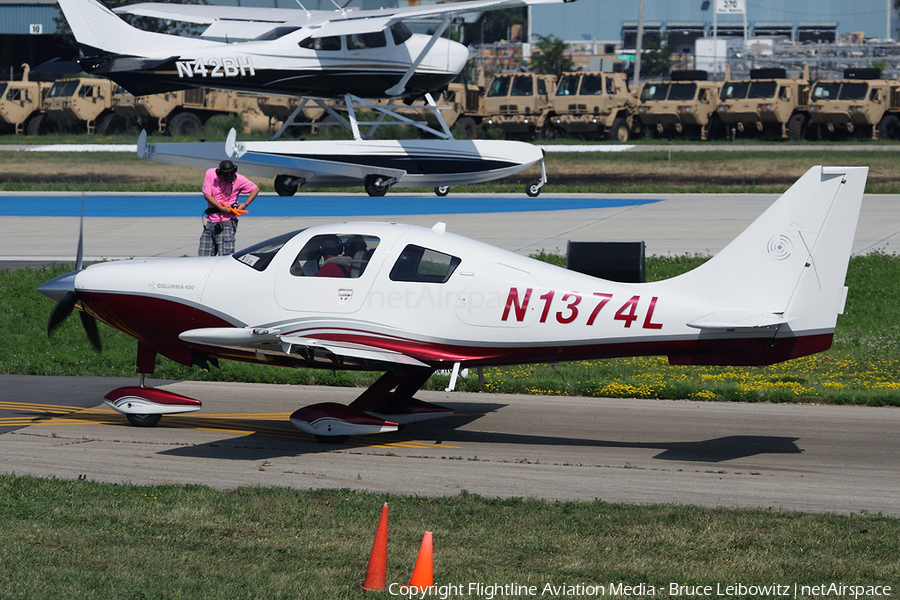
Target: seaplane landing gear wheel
x,y
441,190
533,189
285,185
143,420
375,185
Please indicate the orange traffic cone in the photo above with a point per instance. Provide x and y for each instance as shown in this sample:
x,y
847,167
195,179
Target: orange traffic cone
x,y
376,574
423,572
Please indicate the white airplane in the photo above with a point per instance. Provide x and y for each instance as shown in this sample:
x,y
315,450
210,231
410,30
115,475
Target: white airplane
x,y
410,300
324,54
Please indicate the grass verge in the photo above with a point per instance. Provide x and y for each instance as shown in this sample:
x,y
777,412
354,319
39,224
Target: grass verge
x,y
78,539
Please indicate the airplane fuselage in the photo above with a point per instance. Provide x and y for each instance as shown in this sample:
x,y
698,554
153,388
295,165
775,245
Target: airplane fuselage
x,y
293,65
494,307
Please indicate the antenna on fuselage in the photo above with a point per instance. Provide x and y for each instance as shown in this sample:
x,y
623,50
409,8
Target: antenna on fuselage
x,y
340,8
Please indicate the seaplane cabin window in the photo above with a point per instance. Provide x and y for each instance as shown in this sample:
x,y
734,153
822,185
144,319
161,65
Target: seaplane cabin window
x,y
418,264
327,43
331,255
400,32
371,39
260,255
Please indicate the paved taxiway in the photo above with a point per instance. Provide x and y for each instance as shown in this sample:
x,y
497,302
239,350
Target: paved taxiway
x,y
674,223
810,458
795,457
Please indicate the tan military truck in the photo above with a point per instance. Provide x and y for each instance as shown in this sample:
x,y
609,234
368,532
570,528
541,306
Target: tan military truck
x,y
182,112
20,101
592,104
860,104
73,105
684,105
770,104
519,103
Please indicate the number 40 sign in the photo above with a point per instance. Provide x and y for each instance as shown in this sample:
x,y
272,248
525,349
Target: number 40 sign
x,y
730,7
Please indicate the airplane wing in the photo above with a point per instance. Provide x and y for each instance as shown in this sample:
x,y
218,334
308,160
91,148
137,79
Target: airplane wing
x,y
233,20
261,340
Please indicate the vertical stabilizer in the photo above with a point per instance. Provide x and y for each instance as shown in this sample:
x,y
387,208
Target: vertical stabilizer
x,y
787,269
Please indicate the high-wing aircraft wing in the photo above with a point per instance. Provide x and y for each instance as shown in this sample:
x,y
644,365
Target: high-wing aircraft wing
x,y
233,20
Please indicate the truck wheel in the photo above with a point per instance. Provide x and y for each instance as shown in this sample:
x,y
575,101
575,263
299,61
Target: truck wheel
x,y
469,127
375,186
797,128
39,125
619,131
889,128
184,124
285,185
111,123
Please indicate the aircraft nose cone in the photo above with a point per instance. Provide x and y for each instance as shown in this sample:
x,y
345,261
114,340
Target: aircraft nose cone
x,y
57,288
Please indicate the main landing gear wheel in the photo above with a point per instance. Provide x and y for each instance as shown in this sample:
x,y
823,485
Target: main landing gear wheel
x,y
143,420
285,185
375,185
441,190
533,189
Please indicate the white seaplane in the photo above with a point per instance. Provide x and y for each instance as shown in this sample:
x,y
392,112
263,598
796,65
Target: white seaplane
x,y
353,55
411,300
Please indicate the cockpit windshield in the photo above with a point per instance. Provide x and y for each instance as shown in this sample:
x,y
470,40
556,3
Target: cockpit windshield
x,y
260,255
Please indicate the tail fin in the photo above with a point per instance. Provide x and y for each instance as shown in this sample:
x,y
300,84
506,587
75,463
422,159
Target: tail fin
x,y
787,269
96,27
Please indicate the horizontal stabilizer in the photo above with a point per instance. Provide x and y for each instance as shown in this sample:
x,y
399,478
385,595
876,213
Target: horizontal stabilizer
x,y
739,319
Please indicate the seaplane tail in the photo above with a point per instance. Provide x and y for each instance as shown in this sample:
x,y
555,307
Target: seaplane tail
x,y
97,28
785,273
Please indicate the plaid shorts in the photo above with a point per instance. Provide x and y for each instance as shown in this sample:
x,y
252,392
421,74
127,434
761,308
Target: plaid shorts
x,y
217,238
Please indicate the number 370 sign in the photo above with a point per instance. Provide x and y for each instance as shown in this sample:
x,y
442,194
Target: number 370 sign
x,y
730,7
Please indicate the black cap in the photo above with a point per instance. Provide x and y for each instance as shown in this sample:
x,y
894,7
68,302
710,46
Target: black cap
x,y
226,166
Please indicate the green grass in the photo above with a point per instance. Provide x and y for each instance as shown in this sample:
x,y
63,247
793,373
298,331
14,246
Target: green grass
x,y
860,368
78,539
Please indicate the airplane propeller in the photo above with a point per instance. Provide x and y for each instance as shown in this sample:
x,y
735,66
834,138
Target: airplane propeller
x,y
62,290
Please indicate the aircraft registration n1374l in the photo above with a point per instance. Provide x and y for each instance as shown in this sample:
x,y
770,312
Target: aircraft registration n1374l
x,y
410,300
324,54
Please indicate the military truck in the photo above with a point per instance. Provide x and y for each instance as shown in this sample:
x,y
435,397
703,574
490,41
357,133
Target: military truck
x,y
770,104
73,104
182,112
519,104
684,105
860,104
20,101
592,104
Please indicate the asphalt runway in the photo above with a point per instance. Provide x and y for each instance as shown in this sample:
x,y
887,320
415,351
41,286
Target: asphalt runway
x,y
811,458
785,457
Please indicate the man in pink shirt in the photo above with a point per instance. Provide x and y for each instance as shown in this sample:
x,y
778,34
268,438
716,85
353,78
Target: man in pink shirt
x,y
221,188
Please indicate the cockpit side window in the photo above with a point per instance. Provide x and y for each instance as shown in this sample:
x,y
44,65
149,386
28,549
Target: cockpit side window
x,y
418,264
260,255
371,39
333,255
328,43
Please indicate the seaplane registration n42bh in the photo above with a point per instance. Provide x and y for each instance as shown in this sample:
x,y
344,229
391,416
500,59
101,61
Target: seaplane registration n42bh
x,y
410,300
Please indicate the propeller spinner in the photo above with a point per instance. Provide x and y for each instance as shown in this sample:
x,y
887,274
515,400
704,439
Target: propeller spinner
x,y
62,291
